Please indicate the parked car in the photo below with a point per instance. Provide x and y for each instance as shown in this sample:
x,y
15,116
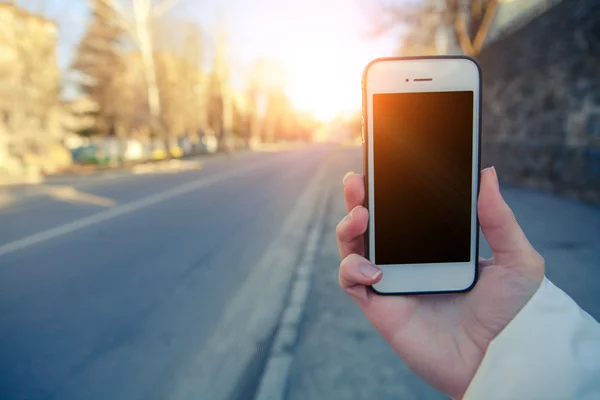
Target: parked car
x,y
89,154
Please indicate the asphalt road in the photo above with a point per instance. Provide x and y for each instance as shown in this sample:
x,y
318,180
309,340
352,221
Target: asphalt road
x,y
115,306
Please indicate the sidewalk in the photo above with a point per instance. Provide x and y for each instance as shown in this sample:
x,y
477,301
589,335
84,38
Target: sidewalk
x,y
339,355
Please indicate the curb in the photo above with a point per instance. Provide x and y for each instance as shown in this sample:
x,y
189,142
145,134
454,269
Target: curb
x,y
274,381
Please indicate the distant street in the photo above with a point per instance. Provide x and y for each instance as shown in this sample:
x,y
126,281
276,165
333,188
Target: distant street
x,y
168,285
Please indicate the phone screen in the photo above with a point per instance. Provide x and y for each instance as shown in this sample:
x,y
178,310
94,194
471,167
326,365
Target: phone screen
x,y
422,177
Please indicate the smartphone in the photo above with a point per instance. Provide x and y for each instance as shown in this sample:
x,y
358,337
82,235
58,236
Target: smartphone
x,y
421,141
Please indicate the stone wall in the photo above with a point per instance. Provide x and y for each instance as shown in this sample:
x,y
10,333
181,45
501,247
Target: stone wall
x,y
541,102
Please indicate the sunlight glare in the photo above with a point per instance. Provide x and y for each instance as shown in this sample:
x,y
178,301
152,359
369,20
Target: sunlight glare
x,y
323,52
324,80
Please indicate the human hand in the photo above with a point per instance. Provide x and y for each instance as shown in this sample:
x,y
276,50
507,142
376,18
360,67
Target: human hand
x,y
444,337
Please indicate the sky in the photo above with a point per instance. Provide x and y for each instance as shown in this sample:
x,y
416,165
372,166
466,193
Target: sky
x,y
323,45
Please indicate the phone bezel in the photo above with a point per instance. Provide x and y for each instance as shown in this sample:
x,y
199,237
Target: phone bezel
x,y
447,73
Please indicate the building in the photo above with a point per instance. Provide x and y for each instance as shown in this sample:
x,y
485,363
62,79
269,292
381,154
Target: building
x,y
30,109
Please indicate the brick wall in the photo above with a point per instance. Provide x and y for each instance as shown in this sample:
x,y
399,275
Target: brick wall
x,y
541,102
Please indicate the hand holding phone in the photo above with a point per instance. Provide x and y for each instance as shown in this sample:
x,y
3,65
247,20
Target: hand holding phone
x,y
443,337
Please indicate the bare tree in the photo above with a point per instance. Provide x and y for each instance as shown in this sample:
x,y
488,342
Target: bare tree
x,y
178,81
140,29
266,80
220,101
280,118
193,98
256,101
469,20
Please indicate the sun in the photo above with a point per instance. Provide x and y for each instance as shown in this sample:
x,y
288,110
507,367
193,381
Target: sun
x,y
322,53
324,71
323,80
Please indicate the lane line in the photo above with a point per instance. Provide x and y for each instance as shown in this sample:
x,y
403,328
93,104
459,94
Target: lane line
x,y
126,208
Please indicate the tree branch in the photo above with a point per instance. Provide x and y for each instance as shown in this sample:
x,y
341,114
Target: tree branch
x,y
463,34
490,13
476,9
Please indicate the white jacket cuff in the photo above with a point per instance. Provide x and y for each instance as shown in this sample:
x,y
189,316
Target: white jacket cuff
x,y
550,350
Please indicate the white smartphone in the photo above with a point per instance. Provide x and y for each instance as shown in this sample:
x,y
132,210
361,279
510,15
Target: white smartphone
x,y
421,140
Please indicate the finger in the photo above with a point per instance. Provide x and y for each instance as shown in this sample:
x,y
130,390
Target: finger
x,y
350,232
486,262
500,227
356,273
354,190
356,270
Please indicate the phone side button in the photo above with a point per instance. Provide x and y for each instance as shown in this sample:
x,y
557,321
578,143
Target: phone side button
x,y
362,129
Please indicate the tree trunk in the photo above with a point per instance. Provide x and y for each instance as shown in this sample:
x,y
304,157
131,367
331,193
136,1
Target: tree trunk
x,y
488,18
462,34
254,130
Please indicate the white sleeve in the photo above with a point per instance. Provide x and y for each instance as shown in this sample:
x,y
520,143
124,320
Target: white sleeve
x,y
550,350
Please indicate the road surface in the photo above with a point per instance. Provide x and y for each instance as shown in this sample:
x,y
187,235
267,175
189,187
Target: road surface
x,y
116,308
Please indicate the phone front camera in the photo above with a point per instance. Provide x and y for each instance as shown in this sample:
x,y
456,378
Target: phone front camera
x,y
406,80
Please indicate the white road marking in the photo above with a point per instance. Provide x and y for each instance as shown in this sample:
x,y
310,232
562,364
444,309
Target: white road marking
x,y
169,167
120,210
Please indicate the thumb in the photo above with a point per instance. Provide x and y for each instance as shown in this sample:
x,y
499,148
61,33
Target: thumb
x,y
500,227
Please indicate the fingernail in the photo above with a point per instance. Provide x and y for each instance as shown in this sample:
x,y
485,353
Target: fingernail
x,y
496,183
494,177
347,176
370,271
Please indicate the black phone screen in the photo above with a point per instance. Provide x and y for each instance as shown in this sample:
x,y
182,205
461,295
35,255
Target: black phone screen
x,y
422,177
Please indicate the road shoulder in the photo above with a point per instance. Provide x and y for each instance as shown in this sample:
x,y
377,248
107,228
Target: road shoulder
x,y
234,355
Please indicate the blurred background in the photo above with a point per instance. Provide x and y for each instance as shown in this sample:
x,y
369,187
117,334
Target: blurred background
x,y
109,83
113,83
170,182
